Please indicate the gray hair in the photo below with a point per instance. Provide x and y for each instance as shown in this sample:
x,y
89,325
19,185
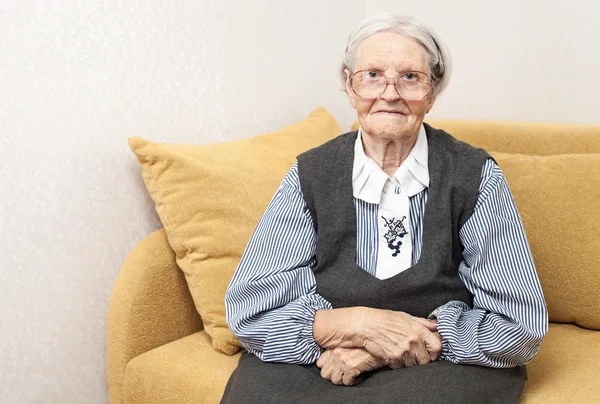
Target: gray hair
x,y
412,27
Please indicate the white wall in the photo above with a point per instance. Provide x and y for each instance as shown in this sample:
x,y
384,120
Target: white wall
x,y
534,60
77,79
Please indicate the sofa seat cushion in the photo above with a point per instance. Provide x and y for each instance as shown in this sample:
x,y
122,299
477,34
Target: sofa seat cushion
x,y
188,370
566,368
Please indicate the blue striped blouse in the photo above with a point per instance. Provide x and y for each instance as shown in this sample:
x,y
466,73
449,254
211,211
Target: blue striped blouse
x,y
271,300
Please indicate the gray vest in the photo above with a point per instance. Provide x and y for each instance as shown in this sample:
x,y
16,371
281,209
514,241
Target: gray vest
x,y
326,180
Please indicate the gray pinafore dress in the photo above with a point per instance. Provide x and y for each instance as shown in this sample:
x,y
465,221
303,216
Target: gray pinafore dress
x,y
326,180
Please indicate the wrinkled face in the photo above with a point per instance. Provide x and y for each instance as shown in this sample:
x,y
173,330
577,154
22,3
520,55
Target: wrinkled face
x,y
390,116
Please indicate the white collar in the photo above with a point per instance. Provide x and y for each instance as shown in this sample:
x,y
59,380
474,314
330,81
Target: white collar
x,y
368,179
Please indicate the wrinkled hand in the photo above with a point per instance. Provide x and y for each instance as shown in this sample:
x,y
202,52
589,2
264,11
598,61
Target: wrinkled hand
x,y
347,365
399,339
396,338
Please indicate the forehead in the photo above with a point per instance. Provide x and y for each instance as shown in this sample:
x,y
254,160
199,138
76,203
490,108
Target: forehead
x,y
393,50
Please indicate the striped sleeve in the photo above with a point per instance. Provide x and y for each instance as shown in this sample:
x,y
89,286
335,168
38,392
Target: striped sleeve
x,y
271,300
509,318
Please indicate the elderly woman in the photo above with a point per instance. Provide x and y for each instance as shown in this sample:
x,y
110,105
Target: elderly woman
x,y
390,258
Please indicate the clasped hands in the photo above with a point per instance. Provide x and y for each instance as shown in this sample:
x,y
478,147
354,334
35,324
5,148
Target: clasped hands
x,y
361,339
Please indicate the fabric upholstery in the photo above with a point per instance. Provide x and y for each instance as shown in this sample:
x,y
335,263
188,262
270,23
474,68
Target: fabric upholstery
x,y
566,368
532,138
150,306
558,198
189,370
210,198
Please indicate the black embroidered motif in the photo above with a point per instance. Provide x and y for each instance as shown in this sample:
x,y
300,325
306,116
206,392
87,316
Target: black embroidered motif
x,y
396,231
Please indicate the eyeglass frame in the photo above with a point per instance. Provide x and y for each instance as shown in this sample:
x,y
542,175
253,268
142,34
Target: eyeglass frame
x,y
395,82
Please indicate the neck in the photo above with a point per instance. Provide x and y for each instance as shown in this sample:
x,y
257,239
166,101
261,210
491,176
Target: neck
x,y
388,153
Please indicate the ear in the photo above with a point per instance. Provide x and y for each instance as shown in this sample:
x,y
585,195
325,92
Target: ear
x,y
351,95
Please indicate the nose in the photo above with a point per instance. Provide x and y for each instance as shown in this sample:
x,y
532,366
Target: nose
x,y
391,92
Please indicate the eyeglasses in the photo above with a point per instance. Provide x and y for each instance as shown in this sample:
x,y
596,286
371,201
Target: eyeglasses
x,y
371,84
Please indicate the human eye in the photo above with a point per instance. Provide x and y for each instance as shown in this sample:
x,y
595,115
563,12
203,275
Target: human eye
x,y
410,77
371,76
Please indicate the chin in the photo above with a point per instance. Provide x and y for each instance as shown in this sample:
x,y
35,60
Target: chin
x,y
388,127
391,130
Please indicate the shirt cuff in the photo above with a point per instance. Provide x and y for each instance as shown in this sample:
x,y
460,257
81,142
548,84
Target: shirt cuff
x,y
282,346
436,313
445,315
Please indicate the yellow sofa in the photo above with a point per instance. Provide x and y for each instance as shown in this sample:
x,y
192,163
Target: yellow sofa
x,y
158,352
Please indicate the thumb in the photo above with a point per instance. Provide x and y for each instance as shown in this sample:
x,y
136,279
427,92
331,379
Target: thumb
x,y
431,325
433,343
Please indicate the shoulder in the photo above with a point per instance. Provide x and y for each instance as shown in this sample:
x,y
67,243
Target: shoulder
x,y
452,144
491,171
492,183
339,144
457,157
291,180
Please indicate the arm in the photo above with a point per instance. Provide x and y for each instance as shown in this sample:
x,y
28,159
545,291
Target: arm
x,y
271,300
509,318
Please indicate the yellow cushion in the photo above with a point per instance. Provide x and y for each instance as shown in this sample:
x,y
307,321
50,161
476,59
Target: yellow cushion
x,y
566,368
558,198
532,138
210,198
188,370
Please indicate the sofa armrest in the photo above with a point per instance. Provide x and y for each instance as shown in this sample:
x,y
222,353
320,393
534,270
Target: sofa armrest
x,y
150,306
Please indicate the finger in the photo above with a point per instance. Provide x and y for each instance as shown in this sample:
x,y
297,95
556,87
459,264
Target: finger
x,y
351,365
326,370
337,377
326,373
393,355
433,343
398,356
362,361
381,349
421,354
431,325
323,358
409,359
351,380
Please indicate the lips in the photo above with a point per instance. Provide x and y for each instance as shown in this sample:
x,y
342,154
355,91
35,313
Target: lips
x,y
389,112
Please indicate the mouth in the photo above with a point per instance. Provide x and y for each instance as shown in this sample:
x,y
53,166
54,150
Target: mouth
x,y
389,112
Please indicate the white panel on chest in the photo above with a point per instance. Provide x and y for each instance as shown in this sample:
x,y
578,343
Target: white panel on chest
x,y
395,246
